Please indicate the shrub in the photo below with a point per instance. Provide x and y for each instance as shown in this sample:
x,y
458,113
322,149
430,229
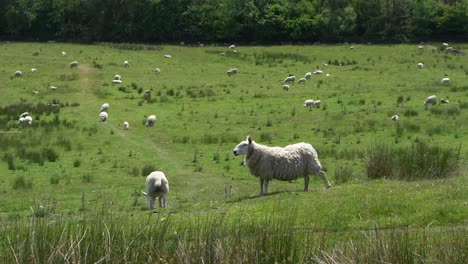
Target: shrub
x,y
50,154
147,169
343,174
54,179
21,183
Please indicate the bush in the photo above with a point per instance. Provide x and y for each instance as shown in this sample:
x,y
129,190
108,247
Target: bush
x,y
420,161
22,183
343,174
147,169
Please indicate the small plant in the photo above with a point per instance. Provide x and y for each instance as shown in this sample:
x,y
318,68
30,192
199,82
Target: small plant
x,y
54,180
147,169
76,163
343,174
21,182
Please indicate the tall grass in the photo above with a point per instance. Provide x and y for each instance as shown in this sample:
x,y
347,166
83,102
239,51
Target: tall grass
x,y
420,161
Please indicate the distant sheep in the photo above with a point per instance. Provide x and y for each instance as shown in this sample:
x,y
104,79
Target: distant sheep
x,y
25,114
117,77
167,56
309,103
103,116
28,120
420,65
64,53
157,71
33,70
430,100
395,117
17,74
308,75
104,107
286,164
286,87
151,120
317,103
116,81
53,88
157,185
232,46
445,81
231,72
126,125
318,72
301,80
444,101
289,79
126,64
73,64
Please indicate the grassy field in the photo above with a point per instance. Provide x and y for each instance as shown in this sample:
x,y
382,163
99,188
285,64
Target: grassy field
x,y
70,184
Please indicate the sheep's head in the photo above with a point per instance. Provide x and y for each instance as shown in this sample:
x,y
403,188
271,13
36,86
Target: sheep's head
x,y
241,148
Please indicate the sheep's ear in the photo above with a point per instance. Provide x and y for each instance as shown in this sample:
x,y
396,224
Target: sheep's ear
x,y
144,193
249,139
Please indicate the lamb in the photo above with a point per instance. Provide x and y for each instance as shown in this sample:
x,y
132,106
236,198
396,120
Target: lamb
x,y
25,114
231,72
156,186
301,80
25,119
308,75
286,87
125,64
430,100
157,71
126,125
73,64
53,88
151,120
445,81
420,65
289,79
395,117
103,116
444,101
286,164
104,107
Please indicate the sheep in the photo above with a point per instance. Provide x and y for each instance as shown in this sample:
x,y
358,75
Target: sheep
x,y
286,87
420,65
308,75
103,116
157,185
28,120
318,72
167,56
104,107
445,81
117,77
126,64
430,100
316,103
444,101
25,114
395,117
151,120
301,80
33,70
289,79
20,120
286,164
17,74
116,81
126,125
157,71
64,53
25,119
232,46
309,103
231,72
73,64
53,88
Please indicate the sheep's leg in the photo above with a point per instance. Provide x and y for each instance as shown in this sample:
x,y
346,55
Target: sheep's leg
x,y
306,183
162,201
265,186
324,178
150,203
261,186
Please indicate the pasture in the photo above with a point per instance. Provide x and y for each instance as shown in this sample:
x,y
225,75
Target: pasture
x,y
74,181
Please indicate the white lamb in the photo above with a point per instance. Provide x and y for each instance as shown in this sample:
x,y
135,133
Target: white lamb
x,y
126,125
156,186
151,120
420,65
25,114
64,53
301,80
232,46
308,75
73,64
430,100
231,72
33,70
28,120
103,116
286,87
53,88
104,107
445,81
289,79
286,164
318,72
126,64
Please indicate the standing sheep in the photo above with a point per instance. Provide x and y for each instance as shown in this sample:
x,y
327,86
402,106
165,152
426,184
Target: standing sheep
x,y
308,75
125,64
151,120
73,64
289,79
103,116
285,164
301,80
309,103
156,186
157,71
430,100
17,74
231,72
126,125
317,103
445,81
104,107
420,65
286,87
395,117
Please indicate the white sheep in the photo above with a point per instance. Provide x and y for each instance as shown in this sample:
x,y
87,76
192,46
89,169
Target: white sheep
x,y
289,79
157,185
420,65
444,101
167,56
126,64
308,75
286,87
25,114
17,74
104,107
445,80
232,46
20,120
430,100
73,64
318,72
395,117
151,120
286,164
28,120
309,103
126,125
301,80
317,103
64,53
117,77
103,116
33,70
157,71
231,72
53,88
116,81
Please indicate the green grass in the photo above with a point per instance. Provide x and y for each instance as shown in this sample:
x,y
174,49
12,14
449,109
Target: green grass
x,y
72,180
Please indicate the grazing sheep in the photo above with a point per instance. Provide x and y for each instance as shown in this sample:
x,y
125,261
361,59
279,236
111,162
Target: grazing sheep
x,y
289,79
151,120
104,107
157,71
17,74
25,114
20,120
286,87
73,64
126,125
309,103
420,65
116,81
444,101
64,53
117,77
53,88
395,118
232,46
308,75
167,56
33,70
318,72
126,64
231,72
445,81
103,116
430,100
286,164
28,120
317,103
156,186
301,80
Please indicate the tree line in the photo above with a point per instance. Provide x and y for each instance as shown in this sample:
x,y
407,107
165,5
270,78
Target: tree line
x,y
247,21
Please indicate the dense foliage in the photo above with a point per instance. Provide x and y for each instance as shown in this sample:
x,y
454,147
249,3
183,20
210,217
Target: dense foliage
x,y
234,20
